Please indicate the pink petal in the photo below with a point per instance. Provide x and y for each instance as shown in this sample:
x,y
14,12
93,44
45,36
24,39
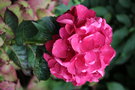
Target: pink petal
x,y
95,77
62,62
80,31
66,75
7,85
63,33
90,58
99,39
80,22
60,48
65,2
51,63
82,12
37,4
55,37
80,79
69,28
92,25
49,45
107,53
107,31
80,63
65,19
47,57
55,70
71,68
92,41
87,43
74,40
96,66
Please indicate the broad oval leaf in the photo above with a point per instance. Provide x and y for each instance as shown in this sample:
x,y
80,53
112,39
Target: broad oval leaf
x,y
36,32
123,18
115,86
125,3
11,20
1,42
25,32
119,35
100,11
50,24
41,69
129,45
23,56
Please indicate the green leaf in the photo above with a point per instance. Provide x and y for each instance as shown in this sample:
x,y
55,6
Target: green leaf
x,y
121,59
63,8
119,35
1,42
41,69
23,3
44,33
25,32
50,24
123,18
4,3
36,32
94,2
86,3
19,55
23,56
108,17
59,85
1,78
16,9
11,20
129,46
101,11
125,3
126,50
31,52
115,86
29,58
5,29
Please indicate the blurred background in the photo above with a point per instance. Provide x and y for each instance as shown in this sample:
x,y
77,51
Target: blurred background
x,y
120,14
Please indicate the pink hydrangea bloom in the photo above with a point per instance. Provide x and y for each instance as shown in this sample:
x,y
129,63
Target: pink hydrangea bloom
x,y
7,85
83,50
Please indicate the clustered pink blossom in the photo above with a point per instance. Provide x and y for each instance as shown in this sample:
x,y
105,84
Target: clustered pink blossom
x,y
82,50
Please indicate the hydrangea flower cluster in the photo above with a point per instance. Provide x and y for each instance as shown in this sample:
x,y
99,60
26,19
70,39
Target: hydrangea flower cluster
x,y
82,50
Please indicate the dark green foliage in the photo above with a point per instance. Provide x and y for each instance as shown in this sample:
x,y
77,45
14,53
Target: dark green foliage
x,y
30,58
19,55
31,32
11,20
49,24
41,69
25,51
115,86
124,19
